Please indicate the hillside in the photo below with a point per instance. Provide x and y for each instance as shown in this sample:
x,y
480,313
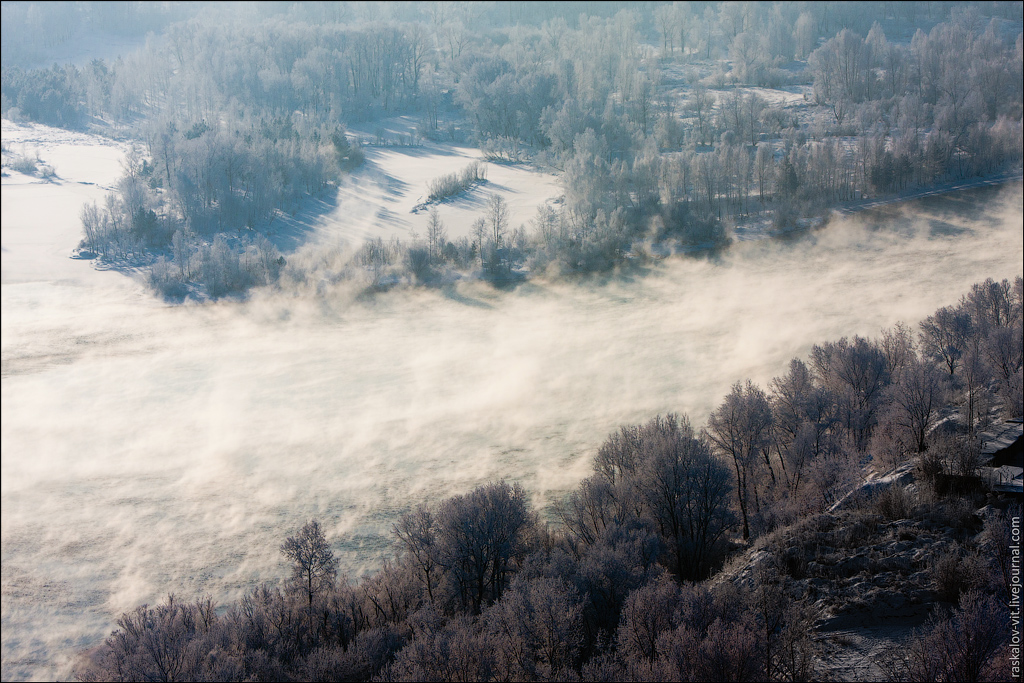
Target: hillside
x,y
885,569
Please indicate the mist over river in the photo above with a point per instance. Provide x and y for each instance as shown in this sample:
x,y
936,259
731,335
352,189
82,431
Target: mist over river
x,y
152,448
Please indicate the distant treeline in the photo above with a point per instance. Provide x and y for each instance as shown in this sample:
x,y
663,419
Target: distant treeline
x,y
656,116
32,31
881,117
482,589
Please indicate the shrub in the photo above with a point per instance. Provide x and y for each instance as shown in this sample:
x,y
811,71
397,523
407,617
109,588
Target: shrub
x,y
24,164
452,184
895,502
417,261
537,629
165,280
963,647
997,539
956,572
646,614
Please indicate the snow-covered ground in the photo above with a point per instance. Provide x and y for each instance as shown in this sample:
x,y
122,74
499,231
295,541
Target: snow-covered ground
x,y
41,223
385,196
150,448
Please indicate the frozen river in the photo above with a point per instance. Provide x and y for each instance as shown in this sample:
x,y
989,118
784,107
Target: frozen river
x,y
150,448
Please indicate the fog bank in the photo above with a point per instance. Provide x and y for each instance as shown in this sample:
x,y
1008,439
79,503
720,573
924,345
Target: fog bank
x,y
151,448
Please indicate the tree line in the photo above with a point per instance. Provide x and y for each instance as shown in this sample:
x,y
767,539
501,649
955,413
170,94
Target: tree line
x,y
653,116
614,586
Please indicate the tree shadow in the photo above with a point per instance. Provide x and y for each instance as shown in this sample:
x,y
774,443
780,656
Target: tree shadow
x,y
394,186
289,232
419,151
473,198
491,185
384,215
940,228
451,293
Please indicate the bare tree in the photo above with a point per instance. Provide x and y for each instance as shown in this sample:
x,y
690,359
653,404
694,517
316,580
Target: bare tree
x,y
666,27
479,231
1003,350
481,537
701,104
973,375
991,304
648,612
497,218
804,416
763,164
856,373
537,629
314,567
686,491
944,336
437,235
415,530
588,511
740,429
899,349
917,400
803,35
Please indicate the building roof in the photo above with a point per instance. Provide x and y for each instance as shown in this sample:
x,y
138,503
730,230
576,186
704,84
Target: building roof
x,y
1003,444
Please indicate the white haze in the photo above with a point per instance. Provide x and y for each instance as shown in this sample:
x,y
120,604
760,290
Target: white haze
x,y
150,448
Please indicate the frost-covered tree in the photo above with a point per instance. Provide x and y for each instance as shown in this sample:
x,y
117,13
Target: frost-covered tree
x,y
314,567
740,430
945,335
481,537
437,235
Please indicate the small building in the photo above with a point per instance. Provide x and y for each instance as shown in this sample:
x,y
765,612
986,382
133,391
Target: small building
x,y
1002,456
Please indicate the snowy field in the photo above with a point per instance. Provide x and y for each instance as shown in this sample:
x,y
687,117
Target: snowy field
x,y
150,448
386,196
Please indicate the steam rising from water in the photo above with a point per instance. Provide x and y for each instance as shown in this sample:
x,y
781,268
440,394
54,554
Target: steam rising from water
x,y
149,449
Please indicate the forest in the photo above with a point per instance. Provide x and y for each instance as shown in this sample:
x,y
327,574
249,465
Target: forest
x,y
635,575
664,121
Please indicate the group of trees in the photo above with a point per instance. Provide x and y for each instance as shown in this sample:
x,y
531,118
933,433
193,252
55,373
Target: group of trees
x,y
797,447
204,199
31,30
480,588
947,105
587,99
43,95
237,172
493,250
977,346
662,476
734,154
669,145
556,241
255,63
886,117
